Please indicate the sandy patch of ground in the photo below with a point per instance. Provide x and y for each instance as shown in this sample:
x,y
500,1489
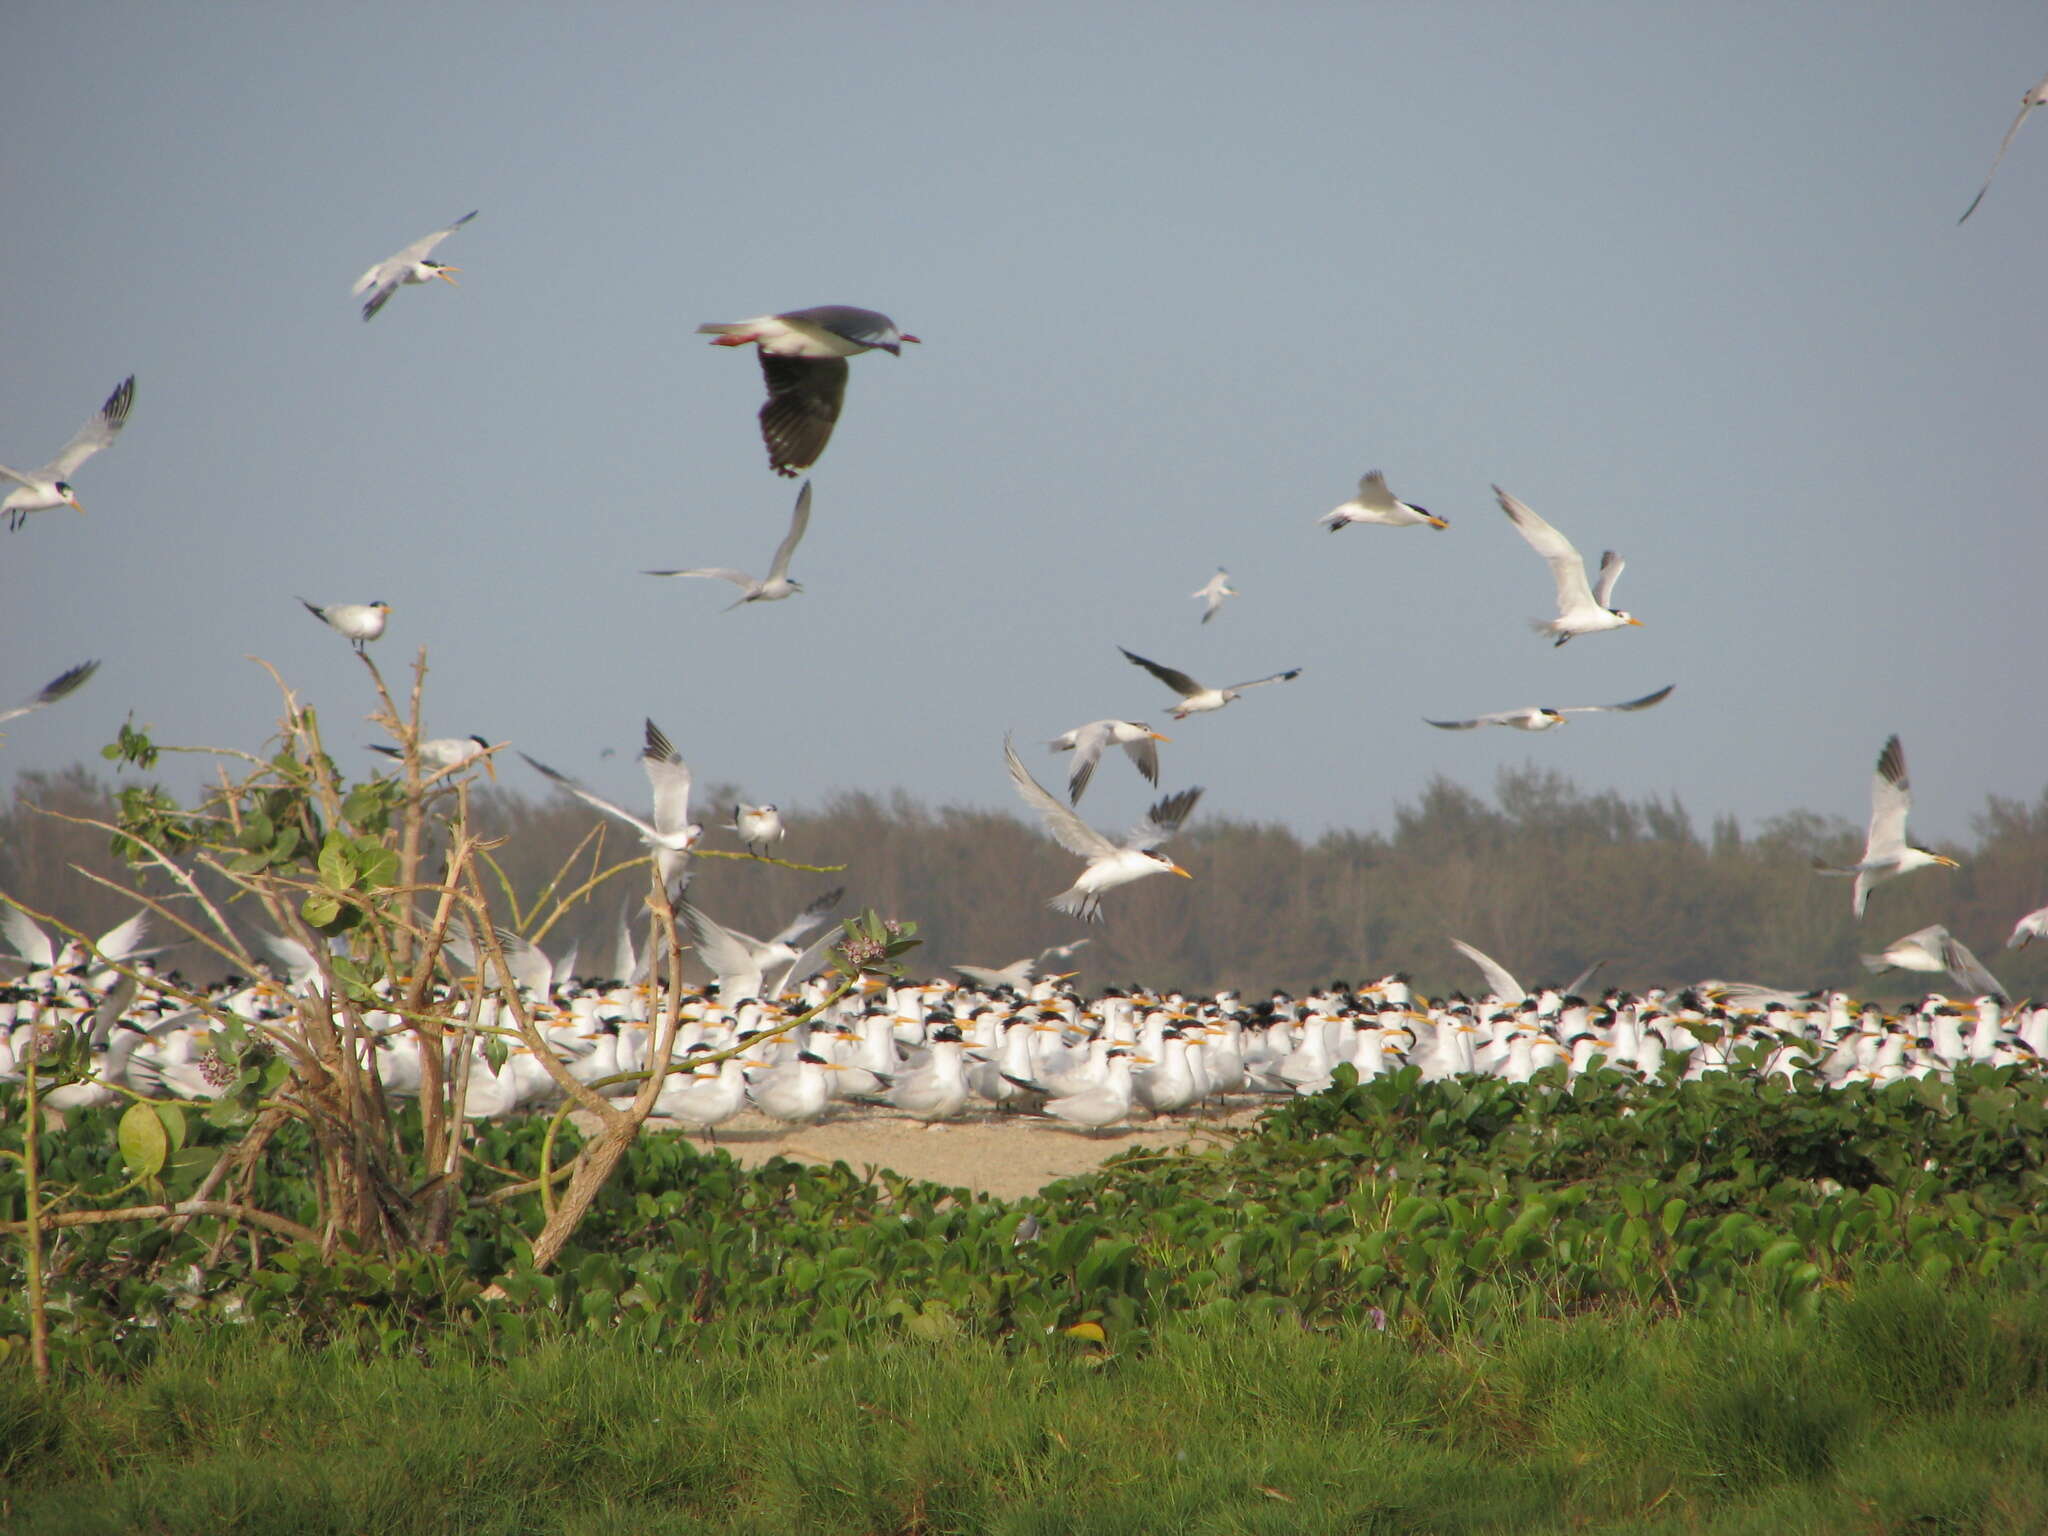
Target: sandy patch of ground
x,y
1008,1157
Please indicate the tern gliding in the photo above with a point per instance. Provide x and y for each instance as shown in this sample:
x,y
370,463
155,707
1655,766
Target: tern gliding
x,y
50,486
1886,853
1581,610
777,585
803,358
1196,698
407,266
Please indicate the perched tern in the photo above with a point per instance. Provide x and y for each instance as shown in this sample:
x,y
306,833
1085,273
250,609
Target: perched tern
x,y
407,266
50,486
740,961
1213,592
777,586
671,834
1196,699
2033,926
2037,97
1087,743
1581,610
1545,719
1375,504
1109,864
803,358
758,826
60,686
444,752
359,622
1886,853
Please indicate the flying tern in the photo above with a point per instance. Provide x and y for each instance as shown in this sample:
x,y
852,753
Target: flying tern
x,y
671,834
359,622
1018,973
1581,610
60,686
1109,864
1934,948
803,358
740,962
1195,698
407,266
1886,853
1375,504
1087,743
2037,97
1213,592
50,486
777,585
2033,926
1545,719
758,826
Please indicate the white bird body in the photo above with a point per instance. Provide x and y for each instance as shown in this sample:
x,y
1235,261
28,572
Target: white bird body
x,y
1088,742
1109,864
359,623
671,835
803,356
1545,719
740,962
776,585
939,1091
1213,592
1886,853
441,754
794,1092
1581,609
758,826
706,1102
407,266
1377,505
50,486
1102,1104
1197,698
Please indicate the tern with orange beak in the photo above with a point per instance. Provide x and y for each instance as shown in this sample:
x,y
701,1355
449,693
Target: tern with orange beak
x,y
50,486
1109,864
1375,504
1088,742
408,266
1886,853
1581,609
803,358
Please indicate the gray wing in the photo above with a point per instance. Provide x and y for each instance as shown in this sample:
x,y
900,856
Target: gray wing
x,y
1145,753
717,572
1891,796
863,327
1611,566
95,434
124,940
810,917
588,798
58,687
1567,565
1373,493
1645,702
726,951
1179,682
420,248
804,398
1067,829
1259,682
1498,718
1089,742
1501,982
801,967
1969,971
669,777
2031,100
29,941
1576,987
1163,820
376,301
799,520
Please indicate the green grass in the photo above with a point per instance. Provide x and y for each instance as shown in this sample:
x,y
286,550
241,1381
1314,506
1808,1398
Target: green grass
x,y
1902,1408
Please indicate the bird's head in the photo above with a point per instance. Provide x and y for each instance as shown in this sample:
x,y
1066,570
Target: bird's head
x,y
63,489
1551,716
1168,865
441,269
1628,618
794,586
1432,519
1941,858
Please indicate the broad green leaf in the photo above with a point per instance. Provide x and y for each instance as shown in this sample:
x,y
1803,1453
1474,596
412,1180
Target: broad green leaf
x,y
144,1145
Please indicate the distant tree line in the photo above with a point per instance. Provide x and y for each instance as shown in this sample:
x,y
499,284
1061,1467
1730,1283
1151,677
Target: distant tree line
x,y
1546,878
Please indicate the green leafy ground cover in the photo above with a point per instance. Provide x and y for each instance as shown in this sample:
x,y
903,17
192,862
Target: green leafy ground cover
x,y
1475,1305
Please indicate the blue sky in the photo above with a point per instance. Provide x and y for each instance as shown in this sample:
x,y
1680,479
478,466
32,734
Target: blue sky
x,y
1686,279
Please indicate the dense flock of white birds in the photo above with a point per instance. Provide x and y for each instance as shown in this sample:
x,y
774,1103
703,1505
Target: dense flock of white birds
x,y
1014,1041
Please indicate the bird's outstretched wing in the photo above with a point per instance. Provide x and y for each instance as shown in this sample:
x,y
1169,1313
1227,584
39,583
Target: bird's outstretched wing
x,y
1163,820
799,520
56,688
810,917
1089,741
1179,682
1567,565
1259,682
716,572
1497,718
805,395
588,798
1969,971
669,777
1611,566
28,941
1499,980
2031,100
95,434
1645,702
1891,797
1067,829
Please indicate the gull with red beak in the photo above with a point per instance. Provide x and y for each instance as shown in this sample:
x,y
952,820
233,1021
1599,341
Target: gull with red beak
x,y
803,359
408,266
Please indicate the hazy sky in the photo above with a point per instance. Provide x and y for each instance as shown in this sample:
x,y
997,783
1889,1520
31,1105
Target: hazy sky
x,y
1685,278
